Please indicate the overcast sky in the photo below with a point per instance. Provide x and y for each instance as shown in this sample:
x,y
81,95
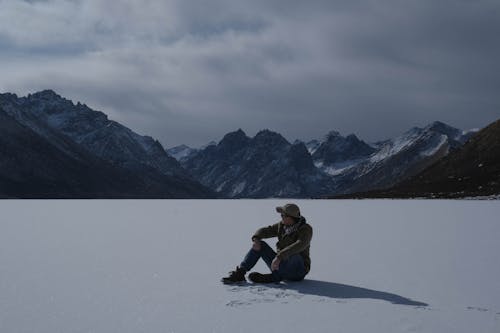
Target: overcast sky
x,y
189,71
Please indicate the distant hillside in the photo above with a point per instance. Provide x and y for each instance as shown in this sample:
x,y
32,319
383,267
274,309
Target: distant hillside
x,y
55,148
402,157
264,166
472,170
31,167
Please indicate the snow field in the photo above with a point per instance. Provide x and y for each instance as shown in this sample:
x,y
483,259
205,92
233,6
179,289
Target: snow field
x,y
155,266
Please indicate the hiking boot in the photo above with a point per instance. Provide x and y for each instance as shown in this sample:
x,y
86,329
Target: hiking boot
x,y
235,276
260,278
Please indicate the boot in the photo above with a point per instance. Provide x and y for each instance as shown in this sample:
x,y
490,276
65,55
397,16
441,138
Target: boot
x,y
235,276
260,278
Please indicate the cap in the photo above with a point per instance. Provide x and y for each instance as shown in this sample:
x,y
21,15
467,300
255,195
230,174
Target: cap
x,y
289,209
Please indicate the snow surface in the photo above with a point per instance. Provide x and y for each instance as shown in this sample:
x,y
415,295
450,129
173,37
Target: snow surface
x,y
155,265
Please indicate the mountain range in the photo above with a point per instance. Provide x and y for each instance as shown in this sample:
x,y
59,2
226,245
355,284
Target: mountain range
x,y
472,170
266,165
51,147
269,166
137,165
397,159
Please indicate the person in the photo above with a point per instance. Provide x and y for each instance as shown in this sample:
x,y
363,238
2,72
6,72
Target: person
x,y
291,261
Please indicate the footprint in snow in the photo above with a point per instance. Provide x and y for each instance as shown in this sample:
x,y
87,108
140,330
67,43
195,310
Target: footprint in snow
x,y
266,294
237,303
477,309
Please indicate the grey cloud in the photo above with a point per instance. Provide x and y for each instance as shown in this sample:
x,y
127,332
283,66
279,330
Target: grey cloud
x,y
189,71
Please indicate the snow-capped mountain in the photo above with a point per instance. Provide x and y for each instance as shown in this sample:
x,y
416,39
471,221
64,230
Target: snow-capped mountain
x,y
335,153
399,158
181,152
33,167
266,165
72,128
471,170
105,138
240,166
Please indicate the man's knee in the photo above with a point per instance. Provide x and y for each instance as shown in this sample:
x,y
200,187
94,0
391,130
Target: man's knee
x,y
258,245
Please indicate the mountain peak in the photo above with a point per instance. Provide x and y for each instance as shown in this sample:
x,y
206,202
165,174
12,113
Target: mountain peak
x,y
451,132
182,146
332,135
211,143
233,141
352,137
337,149
439,126
234,136
8,95
268,136
45,94
438,123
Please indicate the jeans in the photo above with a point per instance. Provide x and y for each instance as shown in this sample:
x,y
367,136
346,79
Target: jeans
x,y
292,269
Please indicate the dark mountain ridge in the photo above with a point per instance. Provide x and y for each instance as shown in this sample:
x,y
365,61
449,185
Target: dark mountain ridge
x,y
470,170
88,136
401,158
32,167
266,165
335,149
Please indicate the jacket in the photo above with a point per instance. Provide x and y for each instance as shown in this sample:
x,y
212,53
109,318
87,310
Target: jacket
x,y
297,242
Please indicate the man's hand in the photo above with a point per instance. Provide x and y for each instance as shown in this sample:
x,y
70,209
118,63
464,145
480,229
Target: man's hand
x,y
256,244
275,265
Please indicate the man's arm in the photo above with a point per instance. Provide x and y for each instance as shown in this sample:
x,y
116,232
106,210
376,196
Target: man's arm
x,y
266,232
302,242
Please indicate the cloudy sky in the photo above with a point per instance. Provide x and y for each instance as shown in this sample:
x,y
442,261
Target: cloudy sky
x,y
189,71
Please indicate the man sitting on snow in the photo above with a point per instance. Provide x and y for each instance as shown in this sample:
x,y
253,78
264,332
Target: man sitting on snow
x,y
292,262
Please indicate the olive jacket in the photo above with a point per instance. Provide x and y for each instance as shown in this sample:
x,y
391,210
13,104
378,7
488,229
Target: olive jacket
x,y
297,242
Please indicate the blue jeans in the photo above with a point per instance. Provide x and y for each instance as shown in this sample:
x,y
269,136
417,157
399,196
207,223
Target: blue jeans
x,y
292,269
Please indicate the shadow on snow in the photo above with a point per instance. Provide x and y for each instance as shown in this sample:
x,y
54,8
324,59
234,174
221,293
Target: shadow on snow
x,y
337,290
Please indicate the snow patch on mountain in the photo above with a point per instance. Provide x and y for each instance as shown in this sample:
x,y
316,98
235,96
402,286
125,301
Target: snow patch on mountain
x,y
337,168
392,147
46,112
433,147
312,146
181,152
238,188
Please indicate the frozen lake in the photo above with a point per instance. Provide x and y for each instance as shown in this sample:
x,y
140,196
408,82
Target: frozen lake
x,y
155,266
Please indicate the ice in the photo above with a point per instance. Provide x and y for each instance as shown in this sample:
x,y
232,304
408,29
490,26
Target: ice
x,y
155,266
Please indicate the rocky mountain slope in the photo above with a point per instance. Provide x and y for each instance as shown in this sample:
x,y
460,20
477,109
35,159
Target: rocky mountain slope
x,y
266,165
74,128
471,170
400,158
31,167
269,166
336,150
